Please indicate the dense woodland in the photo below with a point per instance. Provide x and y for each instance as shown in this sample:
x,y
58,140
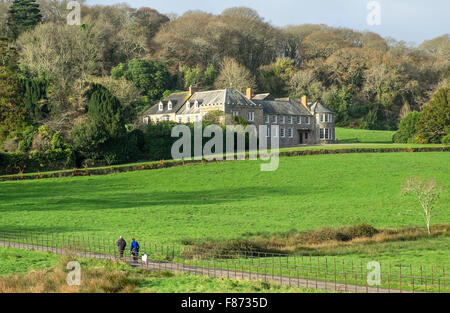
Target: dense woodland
x,y
71,94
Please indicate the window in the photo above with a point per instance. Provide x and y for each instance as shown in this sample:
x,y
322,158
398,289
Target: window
x,y
282,119
330,118
180,119
275,132
188,105
251,116
196,104
235,113
290,119
146,120
165,118
267,132
327,133
282,133
157,120
306,136
196,118
322,134
188,119
161,106
274,119
267,119
299,119
308,120
169,106
291,133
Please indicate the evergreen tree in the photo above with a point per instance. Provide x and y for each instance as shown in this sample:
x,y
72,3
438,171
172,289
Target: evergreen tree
x,y
12,112
23,15
434,121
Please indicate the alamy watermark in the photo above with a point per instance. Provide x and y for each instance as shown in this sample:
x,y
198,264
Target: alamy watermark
x,y
236,136
374,274
374,16
74,16
73,278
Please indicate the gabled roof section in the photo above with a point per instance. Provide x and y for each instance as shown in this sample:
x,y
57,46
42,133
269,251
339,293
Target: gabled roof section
x,y
318,107
229,96
177,99
283,107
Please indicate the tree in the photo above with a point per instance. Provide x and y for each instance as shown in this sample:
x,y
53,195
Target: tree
x,y
151,77
434,122
427,193
275,77
439,46
234,75
23,15
69,55
103,135
407,129
198,78
12,111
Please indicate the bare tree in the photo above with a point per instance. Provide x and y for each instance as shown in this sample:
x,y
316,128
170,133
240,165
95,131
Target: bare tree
x,y
234,75
427,193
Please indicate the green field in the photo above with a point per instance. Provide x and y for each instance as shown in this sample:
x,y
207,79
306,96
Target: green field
x,y
226,200
21,261
15,261
350,135
233,200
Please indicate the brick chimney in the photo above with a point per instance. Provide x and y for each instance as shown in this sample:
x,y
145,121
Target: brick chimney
x,y
304,101
191,91
249,93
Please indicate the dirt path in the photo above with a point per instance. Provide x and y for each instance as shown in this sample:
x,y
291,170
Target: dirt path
x,y
213,272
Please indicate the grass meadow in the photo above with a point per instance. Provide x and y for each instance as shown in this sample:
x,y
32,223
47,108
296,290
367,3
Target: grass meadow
x,y
235,200
228,200
32,271
350,135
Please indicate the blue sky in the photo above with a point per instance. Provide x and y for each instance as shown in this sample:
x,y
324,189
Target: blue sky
x,y
410,20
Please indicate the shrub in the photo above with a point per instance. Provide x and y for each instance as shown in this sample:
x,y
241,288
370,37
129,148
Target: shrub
x,y
407,128
446,140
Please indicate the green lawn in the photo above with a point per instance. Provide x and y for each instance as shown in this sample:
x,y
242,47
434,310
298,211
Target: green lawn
x,y
350,135
226,200
21,261
16,261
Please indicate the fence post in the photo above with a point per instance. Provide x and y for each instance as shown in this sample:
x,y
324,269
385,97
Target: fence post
x,y
335,278
389,277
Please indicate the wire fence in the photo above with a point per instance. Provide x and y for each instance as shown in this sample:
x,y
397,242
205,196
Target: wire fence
x,y
339,274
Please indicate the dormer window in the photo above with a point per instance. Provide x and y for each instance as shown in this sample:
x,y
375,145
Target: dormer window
x,y
169,106
196,104
188,105
161,106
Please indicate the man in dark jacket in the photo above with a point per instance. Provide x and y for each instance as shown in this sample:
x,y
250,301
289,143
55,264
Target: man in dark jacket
x,y
134,249
121,244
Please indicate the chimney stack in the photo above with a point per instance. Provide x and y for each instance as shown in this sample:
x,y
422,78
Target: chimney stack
x,y
305,101
249,94
191,91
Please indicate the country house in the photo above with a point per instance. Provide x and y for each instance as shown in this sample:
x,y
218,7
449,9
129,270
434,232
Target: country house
x,y
300,122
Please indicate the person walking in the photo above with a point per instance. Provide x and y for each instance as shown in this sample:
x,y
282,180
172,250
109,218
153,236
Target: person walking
x,y
134,249
121,244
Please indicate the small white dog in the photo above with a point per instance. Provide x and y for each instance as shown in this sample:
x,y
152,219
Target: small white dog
x,y
144,259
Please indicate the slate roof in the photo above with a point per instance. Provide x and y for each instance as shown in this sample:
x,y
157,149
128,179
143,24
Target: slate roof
x,y
318,107
263,96
178,99
229,96
282,107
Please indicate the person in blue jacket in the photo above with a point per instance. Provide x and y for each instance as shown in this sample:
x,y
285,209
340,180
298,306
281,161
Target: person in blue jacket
x,y
134,249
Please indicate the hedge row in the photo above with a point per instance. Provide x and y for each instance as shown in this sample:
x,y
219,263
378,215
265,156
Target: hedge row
x,y
51,160
162,164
